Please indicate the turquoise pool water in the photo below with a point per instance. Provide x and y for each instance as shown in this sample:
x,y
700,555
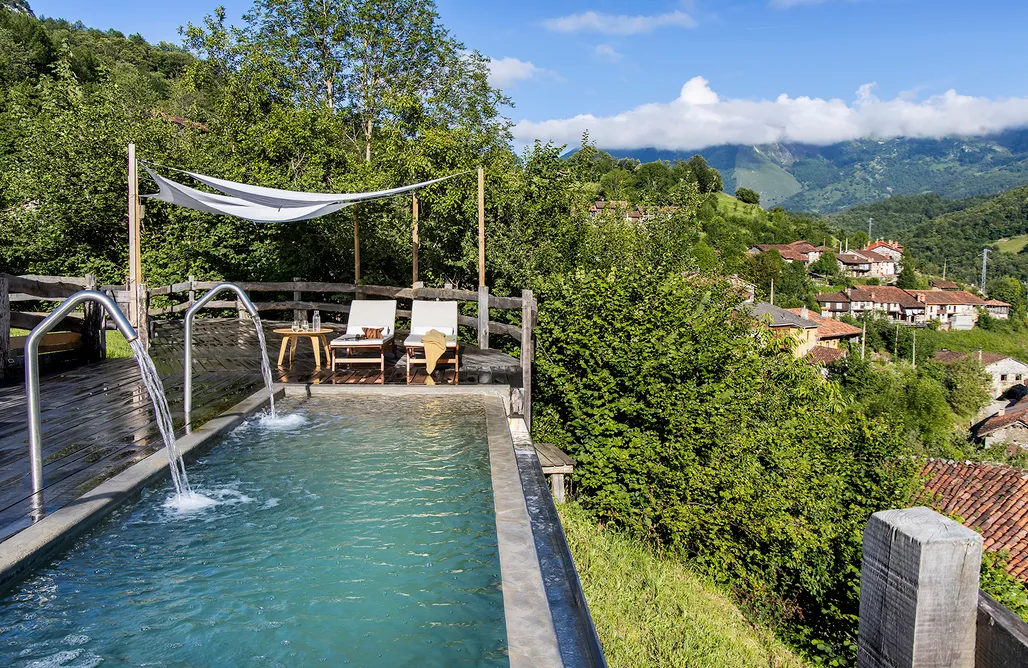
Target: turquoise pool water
x,y
363,536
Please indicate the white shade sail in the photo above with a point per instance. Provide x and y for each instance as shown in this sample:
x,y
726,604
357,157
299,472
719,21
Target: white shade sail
x,y
261,204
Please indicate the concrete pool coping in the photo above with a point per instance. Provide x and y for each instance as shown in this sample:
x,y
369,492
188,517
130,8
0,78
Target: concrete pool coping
x,y
532,639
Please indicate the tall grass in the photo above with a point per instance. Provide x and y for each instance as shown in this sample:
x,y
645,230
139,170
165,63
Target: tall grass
x,y
653,611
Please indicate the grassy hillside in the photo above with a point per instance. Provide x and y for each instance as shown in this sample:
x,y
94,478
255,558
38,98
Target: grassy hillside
x,y
731,205
653,611
1014,244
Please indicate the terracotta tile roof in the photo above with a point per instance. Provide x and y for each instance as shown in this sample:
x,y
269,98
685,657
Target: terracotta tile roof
x,y
795,251
884,294
945,356
996,302
875,257
944,285
826,297
993,424
780,317
824,355
991,498
828,328
945,297
881,243
851,258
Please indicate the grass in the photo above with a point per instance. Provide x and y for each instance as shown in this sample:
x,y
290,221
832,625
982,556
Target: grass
x,y
1012,244
117,347
651,610
1010,343
729,204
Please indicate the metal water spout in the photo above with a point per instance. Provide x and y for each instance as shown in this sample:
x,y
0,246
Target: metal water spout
x,y
32,372
199,304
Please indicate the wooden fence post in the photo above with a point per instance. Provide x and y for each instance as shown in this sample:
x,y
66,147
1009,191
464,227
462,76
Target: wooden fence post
x,y
527,352
192,290
483,317
94,338
481,226
414,241
142,301
5,327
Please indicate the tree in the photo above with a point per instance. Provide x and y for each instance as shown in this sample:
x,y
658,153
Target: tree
x,y
967,387
826,265
748,196
908,278
1010,290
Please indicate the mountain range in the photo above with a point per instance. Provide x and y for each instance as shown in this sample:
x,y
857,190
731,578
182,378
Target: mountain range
x,y
824,179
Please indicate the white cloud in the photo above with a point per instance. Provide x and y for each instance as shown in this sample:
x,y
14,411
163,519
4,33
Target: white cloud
x,y
699,118
508,71
613,24
606,52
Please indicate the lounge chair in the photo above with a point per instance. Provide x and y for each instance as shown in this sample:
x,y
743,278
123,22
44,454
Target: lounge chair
x,y
442,317
370,314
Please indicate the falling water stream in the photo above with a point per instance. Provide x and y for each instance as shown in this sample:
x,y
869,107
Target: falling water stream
x,y
160,407
265,364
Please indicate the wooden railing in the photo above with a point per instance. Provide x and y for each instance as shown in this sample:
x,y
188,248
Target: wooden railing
x,y
334,298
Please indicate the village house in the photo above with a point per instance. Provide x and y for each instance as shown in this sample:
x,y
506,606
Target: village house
x,y
785,323
866,264
943,285
998,309
953,309
1008,425
895,303
1005,371
989,498
890,249
830,334
797,251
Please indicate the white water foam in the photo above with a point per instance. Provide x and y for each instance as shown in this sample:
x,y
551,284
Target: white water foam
x,y
199,500
282,422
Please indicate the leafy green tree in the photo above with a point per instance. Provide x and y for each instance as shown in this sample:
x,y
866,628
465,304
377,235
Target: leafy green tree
x,y
909,279
747,195
826,265
967,387
1010,290
763,268
616,184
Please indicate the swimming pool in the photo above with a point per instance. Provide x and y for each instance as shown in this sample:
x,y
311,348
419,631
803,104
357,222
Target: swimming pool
x,y
363,535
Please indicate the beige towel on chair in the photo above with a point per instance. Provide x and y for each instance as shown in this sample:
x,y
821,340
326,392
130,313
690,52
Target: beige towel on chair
x,y
434,343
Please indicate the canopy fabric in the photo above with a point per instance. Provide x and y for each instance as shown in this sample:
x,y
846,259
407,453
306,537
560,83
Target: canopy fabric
x,y
261,204
191,198
274,197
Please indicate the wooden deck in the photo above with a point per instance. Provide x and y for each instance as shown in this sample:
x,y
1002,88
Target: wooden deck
x,y
97,419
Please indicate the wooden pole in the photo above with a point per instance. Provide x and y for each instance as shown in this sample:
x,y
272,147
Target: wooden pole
x,y
5,326
527,352
356,250
483,317
414,241
298,315
134,272
481,226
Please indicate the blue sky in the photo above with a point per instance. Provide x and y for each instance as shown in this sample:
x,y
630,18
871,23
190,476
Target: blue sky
x,y
618,69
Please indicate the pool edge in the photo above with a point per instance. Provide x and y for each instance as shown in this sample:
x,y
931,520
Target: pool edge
x,y
41,542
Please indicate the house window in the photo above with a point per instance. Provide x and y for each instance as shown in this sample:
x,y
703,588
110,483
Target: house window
x,y
1017,376
1003,376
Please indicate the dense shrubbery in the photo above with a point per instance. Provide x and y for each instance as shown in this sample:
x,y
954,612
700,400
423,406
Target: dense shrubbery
x,y
710,439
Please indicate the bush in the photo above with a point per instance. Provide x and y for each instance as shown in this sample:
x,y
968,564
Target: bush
x,y
702,434
748,196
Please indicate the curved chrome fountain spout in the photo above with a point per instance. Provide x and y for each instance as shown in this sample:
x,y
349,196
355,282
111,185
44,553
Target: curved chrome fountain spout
x,y
199,304
32,371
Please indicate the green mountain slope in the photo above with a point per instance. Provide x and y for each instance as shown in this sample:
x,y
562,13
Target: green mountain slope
x,y
952,232
831,178
17,6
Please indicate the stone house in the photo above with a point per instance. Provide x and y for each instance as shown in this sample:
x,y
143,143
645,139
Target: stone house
x,y
831,333
1005,371
953,309
890,249
797,251
866,264
998,309
785,323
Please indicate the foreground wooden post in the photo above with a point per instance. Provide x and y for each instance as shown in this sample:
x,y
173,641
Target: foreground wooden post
x,y
5,326
483,317
298,314
527,352
135,271
356,250
142,302
414,241
918,591
94,338
192,290
481,226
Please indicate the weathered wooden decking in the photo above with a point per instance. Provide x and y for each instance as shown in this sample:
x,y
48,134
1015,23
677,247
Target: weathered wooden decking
x,y
97,419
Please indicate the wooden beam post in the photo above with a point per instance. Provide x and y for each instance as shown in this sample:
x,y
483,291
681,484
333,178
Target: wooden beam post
x,y
298,315
481,226
414,241
134,271
5,326
356,250
142,302
483,317
192,291
527,352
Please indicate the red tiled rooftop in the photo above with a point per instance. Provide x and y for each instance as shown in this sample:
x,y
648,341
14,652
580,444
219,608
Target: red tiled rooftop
x,y
828,328
824,355
942,297
990,498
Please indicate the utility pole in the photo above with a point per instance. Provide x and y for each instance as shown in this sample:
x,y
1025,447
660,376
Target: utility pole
x,y
985,260
772,292
870,220
913,351
863,339
896,344
944,270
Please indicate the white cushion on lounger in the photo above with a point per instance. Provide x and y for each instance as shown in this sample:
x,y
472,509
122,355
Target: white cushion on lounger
x,y
354,343
426,316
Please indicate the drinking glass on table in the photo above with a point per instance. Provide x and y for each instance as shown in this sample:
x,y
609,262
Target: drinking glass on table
x,y
296,326
305,326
